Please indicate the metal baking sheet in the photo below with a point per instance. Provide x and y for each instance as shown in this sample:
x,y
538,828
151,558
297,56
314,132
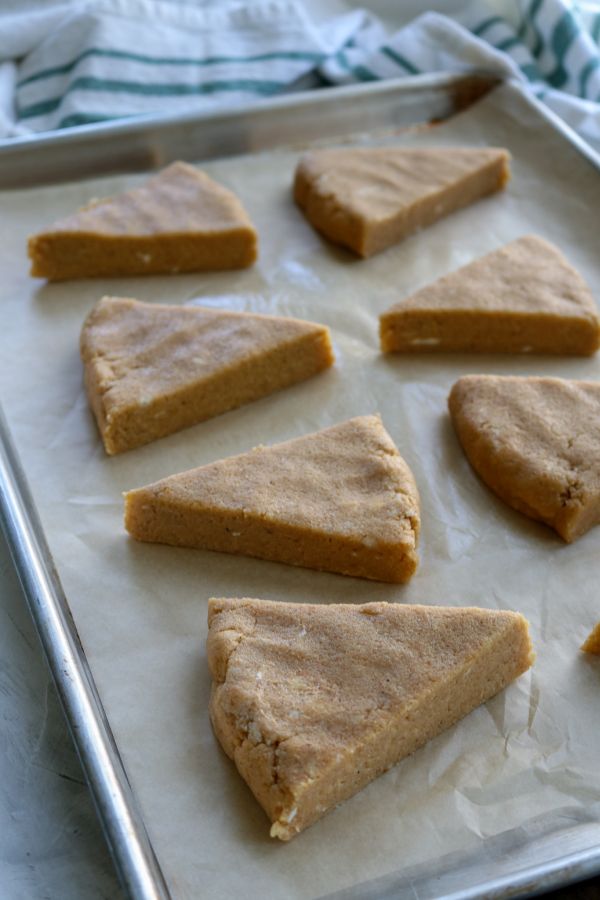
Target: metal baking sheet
x,y
149,142
106,579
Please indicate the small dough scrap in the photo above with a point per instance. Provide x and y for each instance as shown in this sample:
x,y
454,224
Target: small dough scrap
x,y
180,220
523,298
592,644
369,198
536,443
341,500
312,702
151,370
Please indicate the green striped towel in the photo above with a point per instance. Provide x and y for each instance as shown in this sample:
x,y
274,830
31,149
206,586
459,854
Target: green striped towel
x,y
553,48
93,60
97,60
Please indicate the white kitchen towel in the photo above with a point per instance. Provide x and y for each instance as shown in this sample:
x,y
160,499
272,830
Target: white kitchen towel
x,y
553,49
81,62
68,64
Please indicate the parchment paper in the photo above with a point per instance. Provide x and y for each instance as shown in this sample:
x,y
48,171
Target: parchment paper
x,y
141,609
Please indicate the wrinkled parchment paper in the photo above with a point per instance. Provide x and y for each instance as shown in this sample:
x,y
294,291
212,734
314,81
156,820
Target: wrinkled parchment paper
x,y
141,609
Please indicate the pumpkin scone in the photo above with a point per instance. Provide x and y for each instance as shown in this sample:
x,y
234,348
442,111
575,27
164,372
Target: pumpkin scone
x,y
369,198
523,298
341,500
180,220
314,702
151,369
592,644
536,443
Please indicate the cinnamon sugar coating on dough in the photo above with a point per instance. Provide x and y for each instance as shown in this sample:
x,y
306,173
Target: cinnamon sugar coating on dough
x,y
179,220
341,500
314,701
523,298
369,198
151,370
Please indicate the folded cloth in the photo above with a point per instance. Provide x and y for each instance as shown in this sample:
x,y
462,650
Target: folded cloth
x,y
92,60
553,49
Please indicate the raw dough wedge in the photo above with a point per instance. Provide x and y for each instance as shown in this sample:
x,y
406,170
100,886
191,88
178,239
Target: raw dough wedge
x,y
592,644
342,500
151,370
536,443
180,220
370,198
314,702
522,298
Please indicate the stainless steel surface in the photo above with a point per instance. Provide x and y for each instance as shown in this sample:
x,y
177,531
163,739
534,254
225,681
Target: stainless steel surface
x,y
51,842
112,794
521,864
504,867
149,142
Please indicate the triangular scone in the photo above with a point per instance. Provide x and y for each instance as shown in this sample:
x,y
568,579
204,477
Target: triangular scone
x,y
151,370
370,198
536,443
522,298
592,644
342,500
180,220
313,702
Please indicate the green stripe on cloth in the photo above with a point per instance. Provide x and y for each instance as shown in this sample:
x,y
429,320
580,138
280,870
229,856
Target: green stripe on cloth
x,y
533,11
518,40
522,31
169,61
39,109
400,60
565,32
585,73
508,43
264,88
361,72
91,119
530,71
365,74
487,23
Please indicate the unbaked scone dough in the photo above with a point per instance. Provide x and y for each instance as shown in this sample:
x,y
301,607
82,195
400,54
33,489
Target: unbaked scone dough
x,y
151,369
342,500
369,198
523,298
314,702
180,220
536,443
